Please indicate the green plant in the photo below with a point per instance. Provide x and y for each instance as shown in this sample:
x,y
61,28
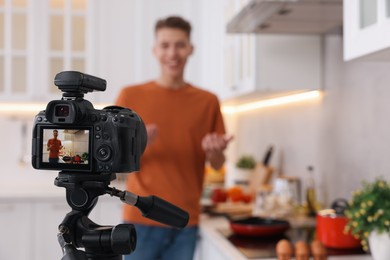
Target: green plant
x,y
369,210
85,156
246,162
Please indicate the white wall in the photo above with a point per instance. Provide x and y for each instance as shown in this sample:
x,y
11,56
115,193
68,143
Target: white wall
x,y
346,136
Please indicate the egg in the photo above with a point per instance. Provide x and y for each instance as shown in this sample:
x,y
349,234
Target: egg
x,y
302,251
284,250
318,250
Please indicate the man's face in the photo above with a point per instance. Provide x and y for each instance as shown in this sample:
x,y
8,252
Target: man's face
x,y
172,48
55,134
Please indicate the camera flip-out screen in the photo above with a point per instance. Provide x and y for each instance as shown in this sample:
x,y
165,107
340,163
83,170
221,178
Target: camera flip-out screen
x,y
64,148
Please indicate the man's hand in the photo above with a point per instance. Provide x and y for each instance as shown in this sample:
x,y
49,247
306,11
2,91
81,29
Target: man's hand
x,y
214,145
151,130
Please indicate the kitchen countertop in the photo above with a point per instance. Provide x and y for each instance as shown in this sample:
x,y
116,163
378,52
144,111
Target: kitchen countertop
x,y
210,231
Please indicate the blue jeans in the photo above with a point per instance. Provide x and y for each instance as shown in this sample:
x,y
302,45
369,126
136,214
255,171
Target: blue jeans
x,y
164,243
53,160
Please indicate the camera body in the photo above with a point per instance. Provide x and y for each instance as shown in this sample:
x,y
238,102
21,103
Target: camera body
x,y
72,136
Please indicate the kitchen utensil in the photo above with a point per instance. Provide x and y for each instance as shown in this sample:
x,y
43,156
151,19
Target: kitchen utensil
x,y
263,173
267,156
331,224
259,227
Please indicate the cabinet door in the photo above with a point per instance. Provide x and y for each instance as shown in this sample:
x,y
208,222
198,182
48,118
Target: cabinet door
x,y
366,29
108,212
15,24
47,217
38,39
287,63
16,236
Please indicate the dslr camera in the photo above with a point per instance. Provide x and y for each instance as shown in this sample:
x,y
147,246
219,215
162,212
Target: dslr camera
x,y
88,147
72,136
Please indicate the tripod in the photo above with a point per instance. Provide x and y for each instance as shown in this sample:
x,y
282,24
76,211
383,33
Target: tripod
x,y
105,242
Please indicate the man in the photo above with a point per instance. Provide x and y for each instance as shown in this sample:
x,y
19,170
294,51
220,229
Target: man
x,y
54,145
185,128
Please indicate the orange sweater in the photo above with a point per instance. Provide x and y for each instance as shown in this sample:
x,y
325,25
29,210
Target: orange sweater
x,y
172,167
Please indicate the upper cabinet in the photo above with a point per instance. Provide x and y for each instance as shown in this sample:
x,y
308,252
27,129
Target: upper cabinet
x,y
367,29
38,39
276,46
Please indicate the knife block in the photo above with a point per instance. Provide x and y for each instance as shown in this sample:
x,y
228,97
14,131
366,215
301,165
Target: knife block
x,y
261,177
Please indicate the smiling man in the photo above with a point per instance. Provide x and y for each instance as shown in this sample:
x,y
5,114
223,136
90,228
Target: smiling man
x,y
185,129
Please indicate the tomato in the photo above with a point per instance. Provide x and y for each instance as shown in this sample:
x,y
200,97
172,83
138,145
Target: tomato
x,y
219,195
235,193
246,198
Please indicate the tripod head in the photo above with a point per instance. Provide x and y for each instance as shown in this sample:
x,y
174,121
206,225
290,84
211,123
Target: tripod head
x,y
105,242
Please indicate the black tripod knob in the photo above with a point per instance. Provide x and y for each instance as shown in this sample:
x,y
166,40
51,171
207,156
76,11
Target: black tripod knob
x,y
123,239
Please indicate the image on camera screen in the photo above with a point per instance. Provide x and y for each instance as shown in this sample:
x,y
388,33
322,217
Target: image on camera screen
x,y
65,148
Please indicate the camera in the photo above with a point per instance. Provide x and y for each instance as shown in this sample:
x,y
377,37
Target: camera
x,y
89,147
72,136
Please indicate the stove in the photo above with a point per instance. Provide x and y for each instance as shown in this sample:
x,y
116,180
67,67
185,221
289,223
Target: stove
x,y
259,247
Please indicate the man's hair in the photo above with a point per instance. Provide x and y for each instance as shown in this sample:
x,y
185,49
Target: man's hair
x,y
174,22
55,130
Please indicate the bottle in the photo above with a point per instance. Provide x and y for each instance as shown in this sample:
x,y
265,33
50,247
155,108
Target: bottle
x,y
311,198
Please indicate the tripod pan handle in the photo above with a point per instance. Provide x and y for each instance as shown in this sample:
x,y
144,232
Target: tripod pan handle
x,y
162,211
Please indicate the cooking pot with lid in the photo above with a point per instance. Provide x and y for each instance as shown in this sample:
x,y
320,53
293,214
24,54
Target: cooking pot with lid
x,y
331,224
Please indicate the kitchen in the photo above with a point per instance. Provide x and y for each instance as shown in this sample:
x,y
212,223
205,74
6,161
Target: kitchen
x,y
343,135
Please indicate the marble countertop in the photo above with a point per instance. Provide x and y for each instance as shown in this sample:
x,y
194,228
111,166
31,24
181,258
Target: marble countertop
x,y
209,230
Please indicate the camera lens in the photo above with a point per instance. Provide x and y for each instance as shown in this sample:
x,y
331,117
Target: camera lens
x,y
62,110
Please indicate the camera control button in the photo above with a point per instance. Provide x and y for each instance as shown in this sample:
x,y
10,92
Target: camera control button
x,y
107,167
98,136
98,128
103,117
115,119
100,167
39,119
106,136
104,153
93,118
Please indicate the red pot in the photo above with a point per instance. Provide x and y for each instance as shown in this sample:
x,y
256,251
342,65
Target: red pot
x,y
330,231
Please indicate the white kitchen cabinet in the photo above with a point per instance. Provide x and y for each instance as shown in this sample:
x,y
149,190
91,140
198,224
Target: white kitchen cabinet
x,y
108,211
16,234
272,64
48,214
38,39
269,63
30,226
288,62
366,30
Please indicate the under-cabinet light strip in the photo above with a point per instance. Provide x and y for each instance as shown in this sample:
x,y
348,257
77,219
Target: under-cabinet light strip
x,y
33,108
21,108
310,95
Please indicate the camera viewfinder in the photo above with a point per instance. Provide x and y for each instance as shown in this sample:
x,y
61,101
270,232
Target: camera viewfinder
x,y
62,111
